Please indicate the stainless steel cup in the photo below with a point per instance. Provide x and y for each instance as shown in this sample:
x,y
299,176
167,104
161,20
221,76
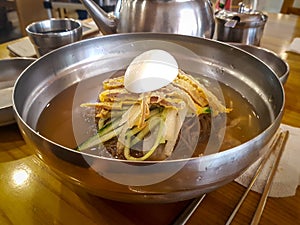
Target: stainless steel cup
x,y
51,34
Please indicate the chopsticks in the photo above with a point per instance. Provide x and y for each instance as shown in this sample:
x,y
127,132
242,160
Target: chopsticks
x,y
263,199
189,210
278,143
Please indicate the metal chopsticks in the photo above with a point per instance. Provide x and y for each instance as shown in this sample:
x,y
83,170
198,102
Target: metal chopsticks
x,y
189,210
263,198
279,142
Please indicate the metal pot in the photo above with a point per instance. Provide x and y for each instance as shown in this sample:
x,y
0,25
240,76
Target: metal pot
x,y
244,26
189,17
91,60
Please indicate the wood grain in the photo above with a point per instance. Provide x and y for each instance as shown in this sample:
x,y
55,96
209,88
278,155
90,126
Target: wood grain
x,y
31,194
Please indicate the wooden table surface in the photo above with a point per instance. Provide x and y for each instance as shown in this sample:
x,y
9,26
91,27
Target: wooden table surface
x,y
30,193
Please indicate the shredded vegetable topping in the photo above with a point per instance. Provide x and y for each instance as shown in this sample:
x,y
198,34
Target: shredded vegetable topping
x,y
142,124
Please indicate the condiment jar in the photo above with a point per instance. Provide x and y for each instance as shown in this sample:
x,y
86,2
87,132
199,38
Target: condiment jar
x,y
244,26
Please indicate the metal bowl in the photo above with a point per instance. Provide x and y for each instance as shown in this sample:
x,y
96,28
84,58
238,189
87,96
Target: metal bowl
x,y
277,64
10,70
174,180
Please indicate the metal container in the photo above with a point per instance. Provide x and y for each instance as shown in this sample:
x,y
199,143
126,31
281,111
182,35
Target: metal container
x,y
244,26
10,70
270,58
188,17
96,59
47,35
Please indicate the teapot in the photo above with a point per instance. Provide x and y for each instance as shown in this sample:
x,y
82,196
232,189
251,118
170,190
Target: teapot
x,y
187,17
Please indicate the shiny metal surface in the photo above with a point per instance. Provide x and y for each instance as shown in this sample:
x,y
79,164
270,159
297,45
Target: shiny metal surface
x,y
51,74
241,27
278,65
188,17
47,35
10,70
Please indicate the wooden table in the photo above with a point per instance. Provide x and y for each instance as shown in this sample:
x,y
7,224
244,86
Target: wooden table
x,y
30,193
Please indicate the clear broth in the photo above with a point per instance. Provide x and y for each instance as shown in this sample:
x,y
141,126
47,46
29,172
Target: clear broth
x,y
56,123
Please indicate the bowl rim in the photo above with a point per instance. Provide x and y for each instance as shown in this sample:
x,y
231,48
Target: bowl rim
x,y
7,109
282,77
233,150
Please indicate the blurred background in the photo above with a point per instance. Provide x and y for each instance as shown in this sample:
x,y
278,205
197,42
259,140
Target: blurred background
x,y
15,15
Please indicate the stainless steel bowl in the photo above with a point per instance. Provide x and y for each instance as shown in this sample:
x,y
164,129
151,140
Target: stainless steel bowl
x,y
119,180
10,70
50,34
278,65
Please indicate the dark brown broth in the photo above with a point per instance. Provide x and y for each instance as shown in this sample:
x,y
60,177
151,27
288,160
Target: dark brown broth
x,y
54,31
55,122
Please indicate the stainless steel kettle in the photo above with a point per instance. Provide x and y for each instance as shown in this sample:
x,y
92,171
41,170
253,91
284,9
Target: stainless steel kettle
x,y
188,17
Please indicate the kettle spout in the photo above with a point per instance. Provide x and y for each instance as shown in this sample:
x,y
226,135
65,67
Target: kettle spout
x,y
106,22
